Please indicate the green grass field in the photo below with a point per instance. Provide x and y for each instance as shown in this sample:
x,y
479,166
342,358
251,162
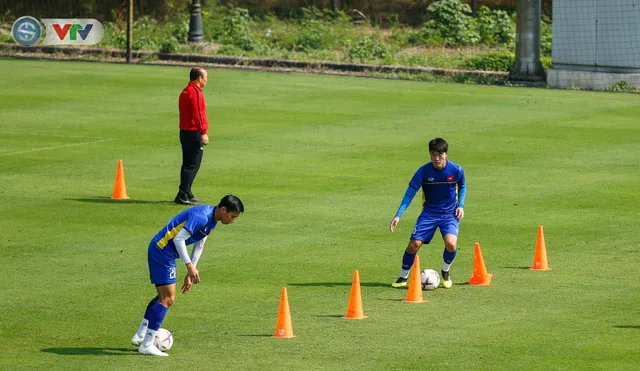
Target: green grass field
x,y
321,164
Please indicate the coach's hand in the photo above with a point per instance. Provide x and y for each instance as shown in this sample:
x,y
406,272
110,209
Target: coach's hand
x,y
394,224
205,139
459,213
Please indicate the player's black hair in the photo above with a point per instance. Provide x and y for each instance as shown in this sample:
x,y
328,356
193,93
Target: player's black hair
x,y
195,73
232,204
438,145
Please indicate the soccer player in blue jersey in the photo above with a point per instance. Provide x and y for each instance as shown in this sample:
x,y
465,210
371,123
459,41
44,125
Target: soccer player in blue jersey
x,y
444,188
192,226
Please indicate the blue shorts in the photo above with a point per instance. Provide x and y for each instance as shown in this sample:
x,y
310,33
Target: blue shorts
x,y
427,223
162,266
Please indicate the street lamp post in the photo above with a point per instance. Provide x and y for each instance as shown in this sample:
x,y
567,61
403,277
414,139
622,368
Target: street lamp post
x,y
195,23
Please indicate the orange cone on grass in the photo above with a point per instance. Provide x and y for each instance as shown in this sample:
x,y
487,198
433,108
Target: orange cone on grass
x,y
414,294
480,276
354,310
540,262
284,329
119,188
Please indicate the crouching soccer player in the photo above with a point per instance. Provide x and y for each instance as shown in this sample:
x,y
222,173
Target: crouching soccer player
x,y
441,209
191,226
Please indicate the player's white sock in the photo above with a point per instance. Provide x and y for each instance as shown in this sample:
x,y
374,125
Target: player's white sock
x,y
142,330
405,273
148,337
446,267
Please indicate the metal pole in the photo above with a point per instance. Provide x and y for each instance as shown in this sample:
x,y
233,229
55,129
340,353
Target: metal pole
x,y
195,23
129,31
527,66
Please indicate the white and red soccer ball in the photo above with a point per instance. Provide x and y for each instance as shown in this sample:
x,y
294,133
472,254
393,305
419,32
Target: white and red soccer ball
x,y
163,340
430,279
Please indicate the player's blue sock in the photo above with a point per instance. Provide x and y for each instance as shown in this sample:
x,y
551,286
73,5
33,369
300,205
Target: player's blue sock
x,y
448,257
151,303
156,315
407,263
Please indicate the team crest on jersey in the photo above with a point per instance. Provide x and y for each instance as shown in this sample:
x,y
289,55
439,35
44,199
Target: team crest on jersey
x,y
449,178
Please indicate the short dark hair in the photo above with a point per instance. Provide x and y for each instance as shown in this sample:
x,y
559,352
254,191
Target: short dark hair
x,y
438,145
231,203
195,73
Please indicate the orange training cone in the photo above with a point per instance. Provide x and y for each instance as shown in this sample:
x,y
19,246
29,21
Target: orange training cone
x,y
414,295
480,275
540,262
355,311
119,188
284,328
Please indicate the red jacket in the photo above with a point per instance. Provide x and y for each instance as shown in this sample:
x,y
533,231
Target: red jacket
x,y
193,113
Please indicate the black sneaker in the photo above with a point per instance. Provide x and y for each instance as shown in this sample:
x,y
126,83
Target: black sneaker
x,y
182,201
195,200
400,282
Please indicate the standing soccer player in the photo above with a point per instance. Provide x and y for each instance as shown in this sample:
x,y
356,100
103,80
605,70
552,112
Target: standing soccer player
x,y
192,226
443,208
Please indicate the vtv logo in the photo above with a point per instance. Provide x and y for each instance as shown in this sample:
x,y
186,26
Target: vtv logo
x,y
73,31
76,29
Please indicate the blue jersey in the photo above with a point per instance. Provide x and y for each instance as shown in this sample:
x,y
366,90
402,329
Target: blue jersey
x,y
440,195
198,221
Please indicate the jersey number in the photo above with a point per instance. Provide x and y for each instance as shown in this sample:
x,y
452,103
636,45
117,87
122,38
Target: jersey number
x,y
172,273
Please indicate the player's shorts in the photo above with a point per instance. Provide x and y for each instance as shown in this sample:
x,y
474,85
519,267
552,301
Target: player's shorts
x,y
427,223
162,266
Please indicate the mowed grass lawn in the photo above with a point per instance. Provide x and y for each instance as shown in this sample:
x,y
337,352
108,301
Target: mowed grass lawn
x,y
321,164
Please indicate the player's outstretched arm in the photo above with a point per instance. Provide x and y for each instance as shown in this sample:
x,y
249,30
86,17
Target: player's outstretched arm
x,y
462,193
406,201
394,224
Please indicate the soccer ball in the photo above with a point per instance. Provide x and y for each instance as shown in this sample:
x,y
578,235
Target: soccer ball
x,y
163,340
430,279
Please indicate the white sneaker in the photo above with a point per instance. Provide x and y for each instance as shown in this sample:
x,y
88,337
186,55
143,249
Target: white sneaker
x,y
151,350
136,340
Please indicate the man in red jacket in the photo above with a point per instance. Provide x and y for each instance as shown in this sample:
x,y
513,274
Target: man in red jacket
x,y
193,133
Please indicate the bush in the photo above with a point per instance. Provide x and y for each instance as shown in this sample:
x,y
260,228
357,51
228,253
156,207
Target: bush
x,y
545,37
622,87
495,27
212,20
322,29
236,24
231,51
169,45
451,21
314,32
367,49
148,34
425,36
494,61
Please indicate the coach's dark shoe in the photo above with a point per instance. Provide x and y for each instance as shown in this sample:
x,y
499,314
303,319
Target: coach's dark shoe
x,y
400,282
182,201
195,200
